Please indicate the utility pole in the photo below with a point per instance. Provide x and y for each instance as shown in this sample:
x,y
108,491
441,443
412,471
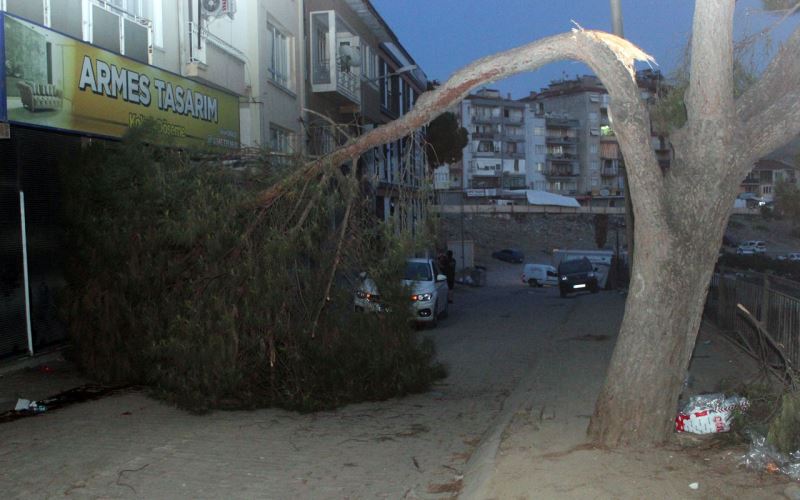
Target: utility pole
x,y
616,20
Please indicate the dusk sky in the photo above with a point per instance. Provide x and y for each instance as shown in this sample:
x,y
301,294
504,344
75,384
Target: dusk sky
x,y
445,35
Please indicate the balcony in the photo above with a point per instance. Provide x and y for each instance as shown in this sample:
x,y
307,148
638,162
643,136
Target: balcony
x,y
335,58
485,119
557,171
559,139
609,172
562,157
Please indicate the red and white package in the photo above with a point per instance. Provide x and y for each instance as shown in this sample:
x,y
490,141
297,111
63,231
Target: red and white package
x,y
709,413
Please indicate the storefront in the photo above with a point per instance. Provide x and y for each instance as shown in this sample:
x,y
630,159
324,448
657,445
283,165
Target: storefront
x,y
54,92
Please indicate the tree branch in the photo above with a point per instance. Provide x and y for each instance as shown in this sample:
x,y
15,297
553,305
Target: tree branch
x,y
612,58
709,97
769,112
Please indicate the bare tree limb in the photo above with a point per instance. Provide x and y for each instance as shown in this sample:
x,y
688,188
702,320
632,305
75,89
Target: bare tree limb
x,y
768,113
709,98
336,259
612,58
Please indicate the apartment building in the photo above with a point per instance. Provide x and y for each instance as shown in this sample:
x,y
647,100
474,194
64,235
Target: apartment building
x,y
359,77
583,155
494,157
552,152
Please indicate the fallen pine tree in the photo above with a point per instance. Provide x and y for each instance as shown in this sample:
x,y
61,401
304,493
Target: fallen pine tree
x,y
178,279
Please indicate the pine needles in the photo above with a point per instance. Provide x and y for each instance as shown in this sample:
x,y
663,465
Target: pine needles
x,y
180,280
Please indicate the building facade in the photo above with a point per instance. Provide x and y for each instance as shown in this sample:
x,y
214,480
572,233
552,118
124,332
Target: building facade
x,y
272,75
494,157
765,175
359,77
583,156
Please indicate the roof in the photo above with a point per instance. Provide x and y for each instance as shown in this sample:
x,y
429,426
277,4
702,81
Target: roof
x,y
767,164
550,199
391,43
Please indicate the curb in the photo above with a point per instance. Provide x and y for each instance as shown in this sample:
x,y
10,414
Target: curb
x,y
481,465
16,364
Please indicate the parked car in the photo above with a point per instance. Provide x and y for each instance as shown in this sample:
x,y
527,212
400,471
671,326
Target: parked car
x,y
366,298
428,292
539,275
509,255
575,276
793,256
752,200
751,247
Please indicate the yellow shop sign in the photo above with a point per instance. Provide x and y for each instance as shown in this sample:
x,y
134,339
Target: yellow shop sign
x,y
55,81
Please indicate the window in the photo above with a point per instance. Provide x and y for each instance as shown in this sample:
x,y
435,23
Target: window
x,y
281,141
594,165
157,16
320,48
539,167
593,117
105,29
593,148
540,149
27,9
401,96
279,58
65,16
370,63
385,83
538,131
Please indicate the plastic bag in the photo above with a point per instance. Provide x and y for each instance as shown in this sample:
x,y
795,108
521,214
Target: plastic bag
x,y
762,456
709,413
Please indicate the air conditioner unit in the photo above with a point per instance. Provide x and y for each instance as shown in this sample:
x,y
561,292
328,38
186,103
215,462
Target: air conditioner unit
x,y
216,8
211,8
350,55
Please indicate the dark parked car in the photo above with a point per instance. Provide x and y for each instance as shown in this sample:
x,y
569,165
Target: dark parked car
x,y
576,275
509,255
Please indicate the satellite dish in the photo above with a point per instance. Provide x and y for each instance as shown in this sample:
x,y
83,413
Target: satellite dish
x,y
350,55
605,192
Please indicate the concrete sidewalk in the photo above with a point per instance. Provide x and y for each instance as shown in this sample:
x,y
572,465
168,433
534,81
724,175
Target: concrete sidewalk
x,y
542,452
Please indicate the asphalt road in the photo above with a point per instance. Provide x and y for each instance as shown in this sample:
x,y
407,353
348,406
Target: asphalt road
x,y
129,446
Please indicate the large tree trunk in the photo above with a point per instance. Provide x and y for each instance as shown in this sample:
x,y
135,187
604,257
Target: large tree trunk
x,y
680,216
662,317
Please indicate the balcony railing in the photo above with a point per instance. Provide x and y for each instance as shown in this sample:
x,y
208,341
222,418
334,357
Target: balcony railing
x,y
562,157
609,172
485,119
552,171
349,84
559,139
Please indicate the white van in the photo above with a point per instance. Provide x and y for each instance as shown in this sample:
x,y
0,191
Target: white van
x,y
539,275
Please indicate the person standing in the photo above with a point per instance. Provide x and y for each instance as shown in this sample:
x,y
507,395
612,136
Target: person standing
x,y
450,272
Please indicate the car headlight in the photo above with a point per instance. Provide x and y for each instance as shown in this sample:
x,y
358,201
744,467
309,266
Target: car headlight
x,y
563,278
361,294
591,275
422,297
